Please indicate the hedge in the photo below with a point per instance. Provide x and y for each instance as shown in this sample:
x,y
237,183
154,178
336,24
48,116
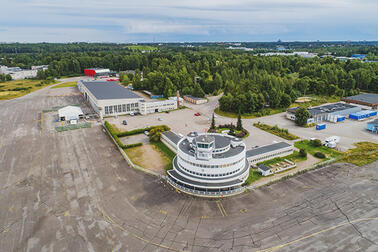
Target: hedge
x,y
114,135
140,131
132,145
319,155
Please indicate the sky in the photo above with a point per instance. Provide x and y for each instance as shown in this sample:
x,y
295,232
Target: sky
x,y
125,21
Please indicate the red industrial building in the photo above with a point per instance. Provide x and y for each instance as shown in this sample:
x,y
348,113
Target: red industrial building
x,y
94,72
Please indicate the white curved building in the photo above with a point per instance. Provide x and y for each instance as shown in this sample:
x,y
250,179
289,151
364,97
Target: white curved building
x,y
209,164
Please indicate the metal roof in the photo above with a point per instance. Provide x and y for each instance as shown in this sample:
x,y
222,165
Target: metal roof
x,y
375,122
330,108
264,167
106,90
367,98
172,136
266,149
194,98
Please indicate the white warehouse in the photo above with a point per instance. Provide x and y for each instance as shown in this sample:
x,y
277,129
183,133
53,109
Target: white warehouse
x,y
108,98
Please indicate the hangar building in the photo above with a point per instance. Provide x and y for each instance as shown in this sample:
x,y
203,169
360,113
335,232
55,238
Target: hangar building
x,y
108,98
370,100
70,113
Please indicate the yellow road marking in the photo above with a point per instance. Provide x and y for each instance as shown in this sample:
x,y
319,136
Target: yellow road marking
x,y
221,208
163,212
244,210
316,233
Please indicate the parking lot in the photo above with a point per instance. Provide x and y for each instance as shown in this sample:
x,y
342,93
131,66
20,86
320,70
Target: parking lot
x,y
349,131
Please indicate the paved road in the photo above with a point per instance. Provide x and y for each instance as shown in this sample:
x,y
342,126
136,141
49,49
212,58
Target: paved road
x,y
72,191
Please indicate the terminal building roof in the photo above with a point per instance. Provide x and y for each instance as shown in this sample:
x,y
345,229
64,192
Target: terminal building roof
x,y
266,149
220,142
107,90
172,136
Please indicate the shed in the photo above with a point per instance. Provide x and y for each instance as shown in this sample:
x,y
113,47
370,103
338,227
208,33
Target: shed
x,y
264,170
70,113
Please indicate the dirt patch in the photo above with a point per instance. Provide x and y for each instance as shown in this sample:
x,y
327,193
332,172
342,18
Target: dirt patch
x,y
149,157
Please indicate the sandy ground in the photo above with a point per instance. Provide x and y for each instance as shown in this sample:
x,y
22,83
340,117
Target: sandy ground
x,y
148,157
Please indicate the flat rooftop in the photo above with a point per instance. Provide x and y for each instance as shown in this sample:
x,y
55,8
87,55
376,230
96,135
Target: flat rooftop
x,y
194,98
172,136
330,108
365,98
107,90
266,149
220,142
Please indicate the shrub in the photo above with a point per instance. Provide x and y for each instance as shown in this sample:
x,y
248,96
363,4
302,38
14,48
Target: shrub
x,y
131,145
302,153
316,143
319,154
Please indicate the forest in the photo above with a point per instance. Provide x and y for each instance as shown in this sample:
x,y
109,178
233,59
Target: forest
x,y
249,82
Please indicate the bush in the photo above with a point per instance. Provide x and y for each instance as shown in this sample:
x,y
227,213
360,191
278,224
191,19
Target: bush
x,y
319,154
140,131
302,153
316,143
131,145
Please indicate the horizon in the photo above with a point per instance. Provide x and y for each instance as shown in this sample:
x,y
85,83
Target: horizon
x,y
116,21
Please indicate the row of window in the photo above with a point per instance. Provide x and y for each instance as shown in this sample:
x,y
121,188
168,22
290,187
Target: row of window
x,y
121,108
271,155
209,175
220,150
212,166
206,146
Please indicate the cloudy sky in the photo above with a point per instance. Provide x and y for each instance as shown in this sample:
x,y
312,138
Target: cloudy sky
x,y
187,20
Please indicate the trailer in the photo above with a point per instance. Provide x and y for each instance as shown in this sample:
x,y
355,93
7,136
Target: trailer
x,y
320,126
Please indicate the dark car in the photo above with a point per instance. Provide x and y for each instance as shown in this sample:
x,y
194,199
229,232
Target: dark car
x,y
124,122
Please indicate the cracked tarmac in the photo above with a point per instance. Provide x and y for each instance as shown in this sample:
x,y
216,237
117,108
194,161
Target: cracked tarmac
x,y
72,191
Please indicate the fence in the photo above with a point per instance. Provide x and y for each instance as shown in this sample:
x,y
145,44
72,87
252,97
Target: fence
x,y
73,127
204,193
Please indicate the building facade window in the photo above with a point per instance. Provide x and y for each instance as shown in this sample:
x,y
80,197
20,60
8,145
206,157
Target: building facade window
x,y
106,110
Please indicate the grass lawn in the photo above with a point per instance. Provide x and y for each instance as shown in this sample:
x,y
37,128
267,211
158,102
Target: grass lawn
x,y
264,112
167,152
364,153
17,88
254,175
284,133
292,157
330,153
66,84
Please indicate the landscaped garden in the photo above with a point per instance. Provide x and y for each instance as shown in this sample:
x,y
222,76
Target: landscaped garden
x,y
275,130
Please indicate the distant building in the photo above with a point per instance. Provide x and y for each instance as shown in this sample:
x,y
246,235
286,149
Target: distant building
x,y
97,72
325,112
17,73
194,100
151,95
41,67
368,99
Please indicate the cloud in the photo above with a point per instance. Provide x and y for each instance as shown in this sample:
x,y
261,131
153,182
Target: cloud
x,y
187,20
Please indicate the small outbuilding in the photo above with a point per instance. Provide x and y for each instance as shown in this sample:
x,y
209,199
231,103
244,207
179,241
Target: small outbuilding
x,y
264,170
372,126
70,113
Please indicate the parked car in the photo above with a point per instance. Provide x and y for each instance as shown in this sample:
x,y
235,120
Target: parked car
x,y
197,114
124,122
146,133
131,113
159,119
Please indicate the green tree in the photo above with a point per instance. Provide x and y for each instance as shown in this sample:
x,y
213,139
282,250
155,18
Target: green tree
x,y
239,125
212,126
8,77
302,153
301,116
